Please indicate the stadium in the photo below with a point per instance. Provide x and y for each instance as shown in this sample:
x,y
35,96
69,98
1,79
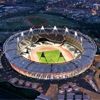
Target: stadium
x,y
50,53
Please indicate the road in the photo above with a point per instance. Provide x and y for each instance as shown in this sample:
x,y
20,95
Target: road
x,y
93,95
52,91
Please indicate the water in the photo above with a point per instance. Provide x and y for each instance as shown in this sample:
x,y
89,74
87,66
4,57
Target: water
x,y
7,91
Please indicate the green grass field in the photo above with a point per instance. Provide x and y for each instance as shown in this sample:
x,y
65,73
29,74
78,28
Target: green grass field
x,y
54,56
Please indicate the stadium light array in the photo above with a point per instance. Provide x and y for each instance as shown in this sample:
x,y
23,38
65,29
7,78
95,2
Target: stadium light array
x,y
31,30
66,30
59,40
22,34
81,39
55,28
42,28
17,39
75,33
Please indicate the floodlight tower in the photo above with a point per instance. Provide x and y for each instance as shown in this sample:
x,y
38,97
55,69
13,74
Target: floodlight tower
x,y
17,39
30,30
22,34
81,40
42,29
18,42
66,30
55,29
75,34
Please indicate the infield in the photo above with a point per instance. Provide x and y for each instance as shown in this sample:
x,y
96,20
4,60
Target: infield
x,y
53,56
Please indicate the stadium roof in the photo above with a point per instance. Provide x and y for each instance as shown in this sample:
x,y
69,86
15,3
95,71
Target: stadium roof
x,y
13,55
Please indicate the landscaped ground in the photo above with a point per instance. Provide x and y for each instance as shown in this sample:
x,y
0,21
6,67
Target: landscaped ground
x,y
36,20
24,22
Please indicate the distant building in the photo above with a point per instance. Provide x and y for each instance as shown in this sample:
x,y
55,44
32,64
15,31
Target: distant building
x,y
7,1
93,12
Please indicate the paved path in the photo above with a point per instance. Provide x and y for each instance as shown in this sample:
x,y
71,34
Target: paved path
x,y
93,95
52,91
97,58
97,79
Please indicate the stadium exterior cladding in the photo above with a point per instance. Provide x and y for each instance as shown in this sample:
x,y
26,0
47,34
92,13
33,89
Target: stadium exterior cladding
x,y
51,71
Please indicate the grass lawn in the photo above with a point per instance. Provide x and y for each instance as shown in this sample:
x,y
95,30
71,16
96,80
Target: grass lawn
x,y
36,20
50,57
